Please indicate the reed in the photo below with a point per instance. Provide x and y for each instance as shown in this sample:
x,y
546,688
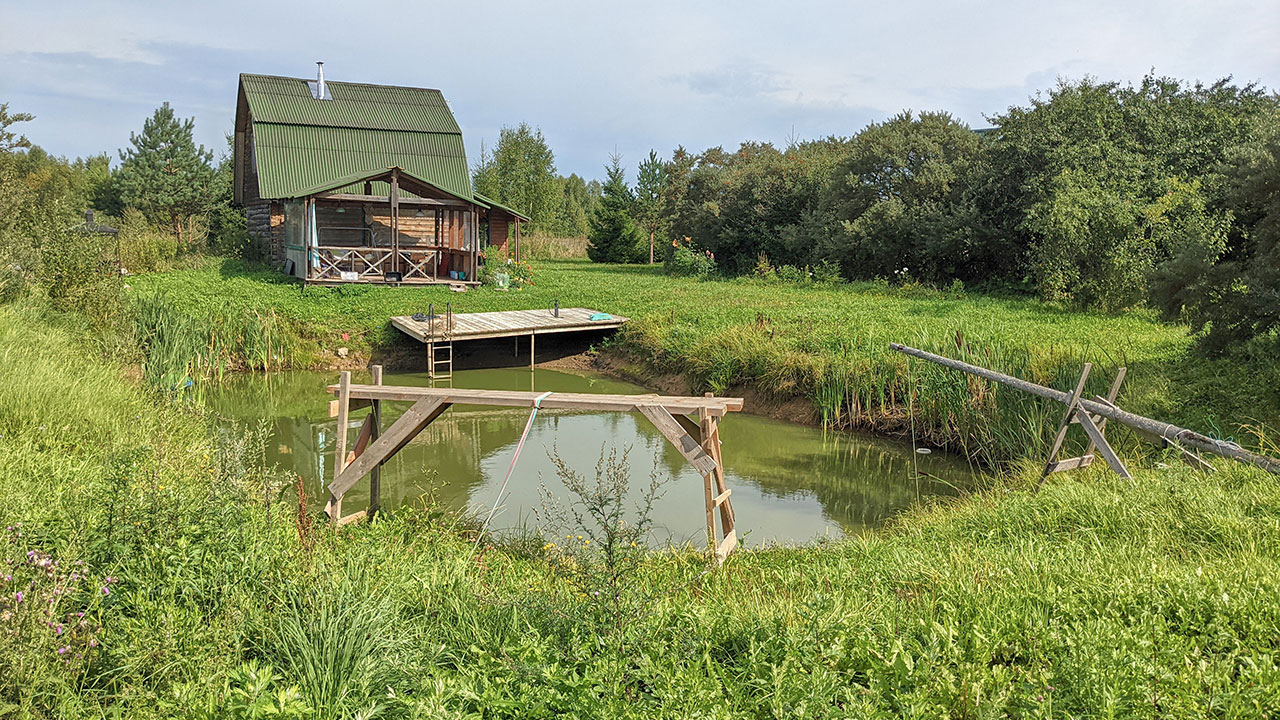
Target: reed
x,y
180,348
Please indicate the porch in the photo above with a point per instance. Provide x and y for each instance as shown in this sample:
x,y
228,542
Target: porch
x,y
390,227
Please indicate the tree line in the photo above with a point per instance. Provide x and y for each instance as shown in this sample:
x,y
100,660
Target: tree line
x,y
1096,195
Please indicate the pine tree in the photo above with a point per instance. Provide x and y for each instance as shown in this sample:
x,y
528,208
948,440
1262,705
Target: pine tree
x,y
613,235
650,189
165,174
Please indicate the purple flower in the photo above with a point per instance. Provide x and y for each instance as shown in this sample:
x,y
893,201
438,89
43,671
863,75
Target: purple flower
x,y
106,590
59,629
63,650
18,596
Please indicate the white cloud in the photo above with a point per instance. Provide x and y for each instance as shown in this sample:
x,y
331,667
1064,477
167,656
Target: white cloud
x,y
637,76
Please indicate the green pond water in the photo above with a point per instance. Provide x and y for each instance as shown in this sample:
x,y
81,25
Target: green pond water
x,y
791,483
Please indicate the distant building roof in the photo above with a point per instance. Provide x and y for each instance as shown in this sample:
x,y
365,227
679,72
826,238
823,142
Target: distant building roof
x,y
301,142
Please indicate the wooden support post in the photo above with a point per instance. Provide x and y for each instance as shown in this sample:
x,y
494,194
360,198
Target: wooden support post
x,y
711,444
708,490
375,475
334,506
1110,400
1104,447
431,360
531,350
1066,423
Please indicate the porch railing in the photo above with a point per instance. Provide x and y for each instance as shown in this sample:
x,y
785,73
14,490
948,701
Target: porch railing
x,y
365,262
375,262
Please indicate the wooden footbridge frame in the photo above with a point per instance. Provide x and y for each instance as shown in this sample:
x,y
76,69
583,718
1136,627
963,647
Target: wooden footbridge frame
x,y
691,424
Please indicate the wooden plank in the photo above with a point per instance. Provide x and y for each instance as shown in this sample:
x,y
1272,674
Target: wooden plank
x,y
400,433
1104,448
334,505
687,446
724,548
1071,464
674,404
708,489
362,441
353,517
711,443
353,405
722,497
1110,399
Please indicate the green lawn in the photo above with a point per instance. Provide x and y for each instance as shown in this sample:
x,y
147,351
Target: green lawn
x,y
1094,598
828,344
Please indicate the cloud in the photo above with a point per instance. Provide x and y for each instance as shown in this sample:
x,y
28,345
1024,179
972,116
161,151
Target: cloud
x,y
597,77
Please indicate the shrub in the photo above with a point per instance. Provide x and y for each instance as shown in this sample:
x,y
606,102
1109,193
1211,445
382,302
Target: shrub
x,y
683,261
505,272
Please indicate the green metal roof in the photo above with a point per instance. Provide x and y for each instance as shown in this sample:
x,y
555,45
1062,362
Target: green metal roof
x,y
302,143
483,200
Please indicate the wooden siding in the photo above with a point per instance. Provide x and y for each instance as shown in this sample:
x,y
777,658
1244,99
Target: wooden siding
x,y
499,234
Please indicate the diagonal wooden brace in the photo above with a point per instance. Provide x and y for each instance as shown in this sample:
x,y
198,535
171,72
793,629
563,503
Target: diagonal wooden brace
x,y
1058,439
406,428
1096,437
671,430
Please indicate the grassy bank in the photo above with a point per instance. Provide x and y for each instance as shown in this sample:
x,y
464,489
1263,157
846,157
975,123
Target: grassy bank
x,y
825,343
204,595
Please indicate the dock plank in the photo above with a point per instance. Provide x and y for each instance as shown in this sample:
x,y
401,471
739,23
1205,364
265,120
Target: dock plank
x,y
506,323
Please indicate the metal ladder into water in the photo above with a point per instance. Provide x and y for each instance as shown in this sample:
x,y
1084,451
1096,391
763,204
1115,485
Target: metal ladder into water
x,y
440,352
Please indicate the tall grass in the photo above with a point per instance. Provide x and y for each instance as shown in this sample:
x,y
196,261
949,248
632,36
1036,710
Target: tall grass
x,y
1095,597
179,347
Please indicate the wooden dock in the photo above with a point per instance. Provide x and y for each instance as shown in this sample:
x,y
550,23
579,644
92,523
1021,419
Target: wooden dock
x,y
503,323
439,332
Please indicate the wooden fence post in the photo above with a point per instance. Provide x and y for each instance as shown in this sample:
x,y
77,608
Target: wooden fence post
x,y
375,475
334,506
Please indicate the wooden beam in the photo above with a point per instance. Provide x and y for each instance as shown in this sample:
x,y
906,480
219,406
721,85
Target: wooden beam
x,y
375,475
353,517
353,405
397,436
674,404
1070,464
1168,431
382,200
672,431
362,441
1064,425
1104,448
334,505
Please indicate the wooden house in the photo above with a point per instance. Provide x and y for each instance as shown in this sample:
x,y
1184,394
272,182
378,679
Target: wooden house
x,y
356,183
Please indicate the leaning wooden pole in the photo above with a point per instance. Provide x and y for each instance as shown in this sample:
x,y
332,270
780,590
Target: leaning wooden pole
x,y
1170,432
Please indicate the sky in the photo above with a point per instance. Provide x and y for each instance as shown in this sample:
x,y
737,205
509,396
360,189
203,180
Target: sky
x,y
599,78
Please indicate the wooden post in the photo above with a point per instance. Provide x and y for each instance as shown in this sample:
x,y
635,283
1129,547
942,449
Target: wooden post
x,y
531,351
375,475
709,495
394,197
334,506
1066,423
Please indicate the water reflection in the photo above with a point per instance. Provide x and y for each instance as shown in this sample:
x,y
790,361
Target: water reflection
x,y
790,483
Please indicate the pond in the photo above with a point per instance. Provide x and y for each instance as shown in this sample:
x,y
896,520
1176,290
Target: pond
x,y
791,483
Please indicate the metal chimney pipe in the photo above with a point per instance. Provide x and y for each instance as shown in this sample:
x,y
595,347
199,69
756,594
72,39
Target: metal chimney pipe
x,y
320,89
